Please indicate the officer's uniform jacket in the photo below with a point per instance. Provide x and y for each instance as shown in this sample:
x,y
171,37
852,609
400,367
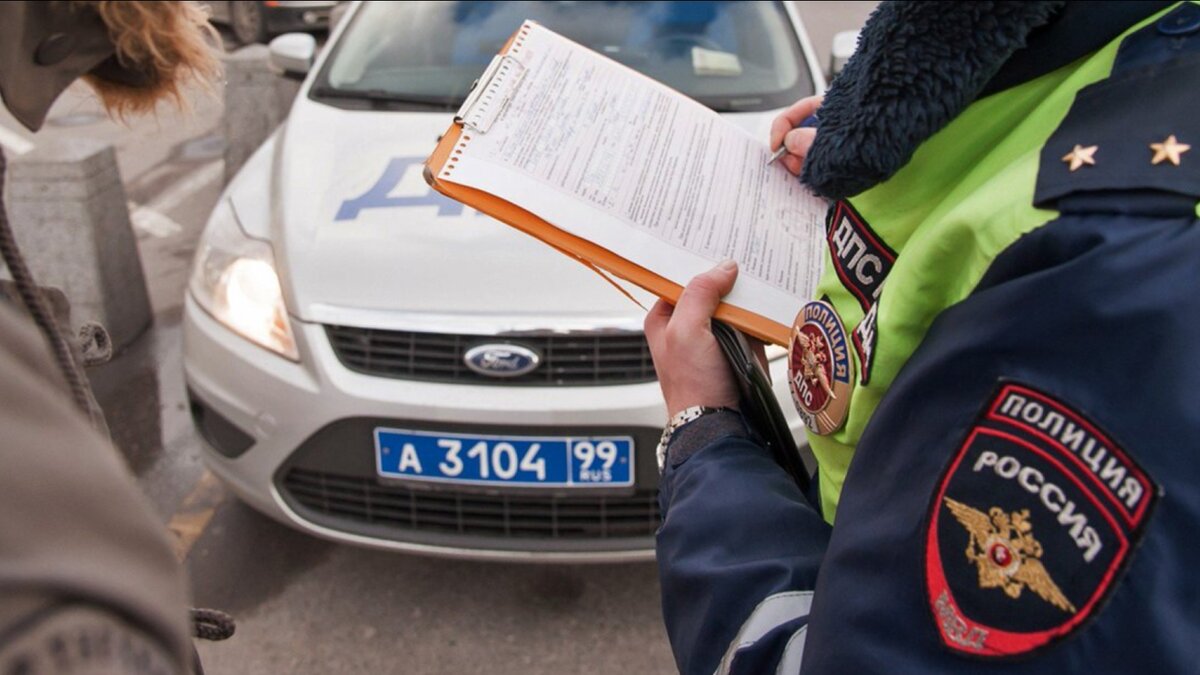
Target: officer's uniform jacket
x,y
1014,259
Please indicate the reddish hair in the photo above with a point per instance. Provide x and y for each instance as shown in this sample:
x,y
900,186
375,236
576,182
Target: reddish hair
x,y
168,43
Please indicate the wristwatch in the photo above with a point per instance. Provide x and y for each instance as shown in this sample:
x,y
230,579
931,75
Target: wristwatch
x,y
678,420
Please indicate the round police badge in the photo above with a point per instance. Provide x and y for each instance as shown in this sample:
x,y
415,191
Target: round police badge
x,y
819,370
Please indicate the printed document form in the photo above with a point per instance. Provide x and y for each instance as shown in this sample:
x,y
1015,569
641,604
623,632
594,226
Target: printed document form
x,y
612,156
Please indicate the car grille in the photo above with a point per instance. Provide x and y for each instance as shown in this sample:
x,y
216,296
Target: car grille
x,y
571,360
364,501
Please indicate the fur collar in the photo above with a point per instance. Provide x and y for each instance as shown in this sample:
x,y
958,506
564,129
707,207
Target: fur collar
x,y
918,65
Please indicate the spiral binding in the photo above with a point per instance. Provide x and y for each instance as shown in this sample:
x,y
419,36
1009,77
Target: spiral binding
x,y
487,100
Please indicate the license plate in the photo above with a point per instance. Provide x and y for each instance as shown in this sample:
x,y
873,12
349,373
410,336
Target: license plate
x,y
537,461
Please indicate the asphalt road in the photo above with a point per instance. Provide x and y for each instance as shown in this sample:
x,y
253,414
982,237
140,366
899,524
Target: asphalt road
x,y
305,605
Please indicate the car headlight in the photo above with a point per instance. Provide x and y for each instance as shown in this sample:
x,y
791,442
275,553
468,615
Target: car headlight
x,y
234,280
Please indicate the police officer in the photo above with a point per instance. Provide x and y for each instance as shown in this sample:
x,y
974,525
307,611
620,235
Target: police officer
x,y
88,579
997,374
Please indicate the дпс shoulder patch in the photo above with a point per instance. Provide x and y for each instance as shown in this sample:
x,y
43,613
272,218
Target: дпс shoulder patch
x,y
860,258
1030,526
865,337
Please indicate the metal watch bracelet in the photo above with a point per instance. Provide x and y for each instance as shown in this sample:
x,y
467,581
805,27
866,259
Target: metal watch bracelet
x,y
678,420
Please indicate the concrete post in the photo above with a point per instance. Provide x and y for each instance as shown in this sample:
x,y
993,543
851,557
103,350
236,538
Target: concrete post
x,y
68,211
256,101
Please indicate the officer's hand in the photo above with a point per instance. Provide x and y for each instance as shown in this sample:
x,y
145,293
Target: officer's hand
x,y
691,368
798,141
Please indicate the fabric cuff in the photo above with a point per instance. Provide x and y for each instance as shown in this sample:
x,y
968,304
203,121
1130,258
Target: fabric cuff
x,y
699,433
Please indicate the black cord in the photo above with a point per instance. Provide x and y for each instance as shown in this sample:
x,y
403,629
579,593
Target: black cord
x,y
212,624
36,304
207,624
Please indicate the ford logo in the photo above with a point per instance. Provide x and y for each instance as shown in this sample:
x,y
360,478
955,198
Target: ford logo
x,y
502,360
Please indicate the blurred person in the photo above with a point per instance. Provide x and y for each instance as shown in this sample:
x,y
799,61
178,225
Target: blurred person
x,y
89,582
998,371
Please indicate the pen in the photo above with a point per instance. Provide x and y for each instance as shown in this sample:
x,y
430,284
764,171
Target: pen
x,y
811,121
777,154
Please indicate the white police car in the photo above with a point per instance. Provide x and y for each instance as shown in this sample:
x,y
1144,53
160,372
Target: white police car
x,y
373,363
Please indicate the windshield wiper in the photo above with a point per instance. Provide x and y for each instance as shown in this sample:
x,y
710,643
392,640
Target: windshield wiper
x,y
383,97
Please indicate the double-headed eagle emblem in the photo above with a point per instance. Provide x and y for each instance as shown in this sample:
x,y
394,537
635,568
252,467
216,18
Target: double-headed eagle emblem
x,y
813,358
1007,555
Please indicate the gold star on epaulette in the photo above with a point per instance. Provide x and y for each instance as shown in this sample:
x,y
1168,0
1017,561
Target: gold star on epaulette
x,y
1080,156
1168,151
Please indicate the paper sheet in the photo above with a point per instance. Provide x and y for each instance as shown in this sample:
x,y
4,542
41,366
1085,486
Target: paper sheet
x,y
612,156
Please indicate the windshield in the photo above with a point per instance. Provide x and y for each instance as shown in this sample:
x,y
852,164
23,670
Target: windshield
x,y
731,56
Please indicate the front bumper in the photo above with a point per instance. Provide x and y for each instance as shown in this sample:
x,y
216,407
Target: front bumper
x,y
301,452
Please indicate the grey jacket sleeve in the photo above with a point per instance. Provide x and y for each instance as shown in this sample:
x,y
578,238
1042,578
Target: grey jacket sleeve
x,y
73,526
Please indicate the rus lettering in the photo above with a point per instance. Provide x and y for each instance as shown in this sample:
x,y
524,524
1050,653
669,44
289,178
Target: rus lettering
x,y
860,268
1131,492
1093,453
861,261
1073,436
1052,496
1052,419
1070,517
864,341
1032,413
1084,535
409,459
1007,467
986,458
1012,405
1059,500
840,362
1113,472
957,630
866,329
843,236
1031,479
851,249
830,324
1089,541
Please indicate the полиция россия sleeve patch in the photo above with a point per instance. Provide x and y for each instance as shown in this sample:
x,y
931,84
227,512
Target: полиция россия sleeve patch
x,y
1030,526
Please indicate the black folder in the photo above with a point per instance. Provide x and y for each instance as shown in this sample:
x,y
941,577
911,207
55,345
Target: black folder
x,y
759,406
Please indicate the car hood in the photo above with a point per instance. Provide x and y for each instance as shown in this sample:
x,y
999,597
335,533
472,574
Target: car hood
x,y
361,239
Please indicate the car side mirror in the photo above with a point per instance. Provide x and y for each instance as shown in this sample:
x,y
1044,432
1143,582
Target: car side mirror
x,y
844,45
292,54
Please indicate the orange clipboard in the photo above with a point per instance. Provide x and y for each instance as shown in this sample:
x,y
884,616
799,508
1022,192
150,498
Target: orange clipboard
x,y
589,253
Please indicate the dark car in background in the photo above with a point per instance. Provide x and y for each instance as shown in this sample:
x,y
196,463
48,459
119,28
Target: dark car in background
x,y
253,21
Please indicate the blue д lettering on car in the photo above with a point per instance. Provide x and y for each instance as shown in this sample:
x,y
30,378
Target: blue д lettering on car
x,y
374,364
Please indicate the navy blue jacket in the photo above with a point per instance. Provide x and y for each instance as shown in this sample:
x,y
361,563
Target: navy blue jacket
x,y
1065,386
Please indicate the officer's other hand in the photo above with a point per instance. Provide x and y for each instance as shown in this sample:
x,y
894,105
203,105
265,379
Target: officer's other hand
x,y
785,130
691,367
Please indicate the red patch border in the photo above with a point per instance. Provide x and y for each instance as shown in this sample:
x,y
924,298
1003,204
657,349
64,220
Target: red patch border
x,y
860,225
1148,487
1021,645
865,360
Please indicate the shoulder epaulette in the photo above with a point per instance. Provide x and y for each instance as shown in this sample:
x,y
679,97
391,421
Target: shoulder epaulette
x,y
1139,128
